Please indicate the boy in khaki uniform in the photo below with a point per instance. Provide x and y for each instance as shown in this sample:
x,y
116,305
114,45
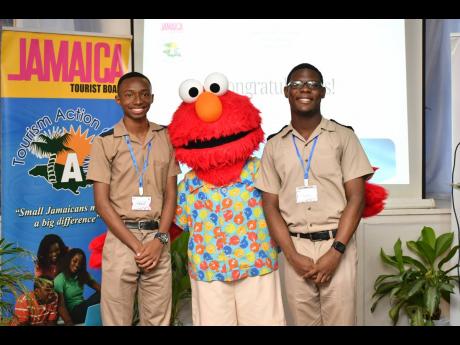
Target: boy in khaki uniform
x,y
313,176
135,186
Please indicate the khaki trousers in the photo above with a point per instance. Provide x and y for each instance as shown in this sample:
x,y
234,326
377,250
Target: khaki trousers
x,y
251,301
121,278
332,303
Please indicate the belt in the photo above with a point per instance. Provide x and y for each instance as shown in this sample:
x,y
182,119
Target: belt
x,y
316,236
142,224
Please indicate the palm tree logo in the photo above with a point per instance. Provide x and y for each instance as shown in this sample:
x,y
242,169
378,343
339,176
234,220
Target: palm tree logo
x,y
50,146
67,151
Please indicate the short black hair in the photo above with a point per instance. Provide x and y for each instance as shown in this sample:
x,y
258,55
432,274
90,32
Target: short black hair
x,y
304,66
131,75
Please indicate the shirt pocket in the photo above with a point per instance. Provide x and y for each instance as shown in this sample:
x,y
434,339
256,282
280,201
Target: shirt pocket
x,y
326,162
159,174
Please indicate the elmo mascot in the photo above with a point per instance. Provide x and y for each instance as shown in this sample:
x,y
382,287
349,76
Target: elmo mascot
x,y
233,262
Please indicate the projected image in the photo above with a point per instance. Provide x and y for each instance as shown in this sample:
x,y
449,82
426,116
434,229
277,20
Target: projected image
x,y
381,154
363,63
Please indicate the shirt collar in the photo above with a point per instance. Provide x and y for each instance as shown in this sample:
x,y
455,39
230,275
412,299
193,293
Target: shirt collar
x,y
120,130
324,125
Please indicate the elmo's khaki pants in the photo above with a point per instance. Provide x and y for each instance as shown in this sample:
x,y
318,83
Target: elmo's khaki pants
x,y
251,301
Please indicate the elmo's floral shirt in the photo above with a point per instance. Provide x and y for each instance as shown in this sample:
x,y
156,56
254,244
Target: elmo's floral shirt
x,y
229,238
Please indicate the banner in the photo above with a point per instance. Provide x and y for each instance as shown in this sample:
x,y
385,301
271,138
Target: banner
x,y
57,95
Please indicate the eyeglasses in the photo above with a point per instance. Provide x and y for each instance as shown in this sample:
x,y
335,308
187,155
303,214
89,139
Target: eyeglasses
x,y
311,84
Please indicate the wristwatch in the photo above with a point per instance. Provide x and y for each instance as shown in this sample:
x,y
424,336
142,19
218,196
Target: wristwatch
x,y
163,237
339,246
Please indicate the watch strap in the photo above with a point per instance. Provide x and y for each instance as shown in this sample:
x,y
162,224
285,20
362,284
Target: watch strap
x,y
339,246
162,237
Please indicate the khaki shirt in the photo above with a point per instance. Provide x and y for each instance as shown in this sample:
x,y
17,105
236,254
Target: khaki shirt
x,y
111,163
337,158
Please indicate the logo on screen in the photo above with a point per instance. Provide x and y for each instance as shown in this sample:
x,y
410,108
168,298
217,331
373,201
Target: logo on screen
x,y
171,49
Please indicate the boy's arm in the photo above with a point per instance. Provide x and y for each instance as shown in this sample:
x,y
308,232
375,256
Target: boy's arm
x,y
151,251
349,221
111,217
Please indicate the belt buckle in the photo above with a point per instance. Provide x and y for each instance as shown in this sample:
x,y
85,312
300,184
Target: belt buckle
x,y
317,239
140,224
320,235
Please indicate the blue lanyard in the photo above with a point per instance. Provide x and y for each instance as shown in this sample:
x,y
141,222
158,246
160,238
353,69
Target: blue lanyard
x,y
146,162
305,175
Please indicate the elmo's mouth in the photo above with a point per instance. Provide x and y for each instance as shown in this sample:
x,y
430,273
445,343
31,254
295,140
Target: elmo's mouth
x,y
201,144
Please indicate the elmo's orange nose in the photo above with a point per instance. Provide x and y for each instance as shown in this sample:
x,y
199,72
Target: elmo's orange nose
x,y
208,107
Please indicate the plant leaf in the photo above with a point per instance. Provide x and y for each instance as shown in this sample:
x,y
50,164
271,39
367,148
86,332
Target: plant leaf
x,y
415,263
394,312
374,305
432,299
415,313
398,255
447,287
412,245
429,237
416,288
388,260
448,257
385,288
381,278
443,243
427,251
395,290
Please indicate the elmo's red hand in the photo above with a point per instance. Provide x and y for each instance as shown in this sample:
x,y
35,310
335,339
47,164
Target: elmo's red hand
x,y
375,196
95,247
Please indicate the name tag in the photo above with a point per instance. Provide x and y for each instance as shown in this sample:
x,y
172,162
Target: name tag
x,y
141,203
306,194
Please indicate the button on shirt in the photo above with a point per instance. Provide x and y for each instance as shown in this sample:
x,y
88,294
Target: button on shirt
x,y
338,158
229,238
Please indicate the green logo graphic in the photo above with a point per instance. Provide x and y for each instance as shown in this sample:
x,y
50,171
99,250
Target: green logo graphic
x,y
171,49
68,157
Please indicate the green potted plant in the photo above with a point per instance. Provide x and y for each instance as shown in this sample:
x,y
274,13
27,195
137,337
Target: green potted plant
x,y
12,278
418,285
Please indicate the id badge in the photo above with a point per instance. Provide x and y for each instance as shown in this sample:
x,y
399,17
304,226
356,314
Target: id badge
x,y
306,194
141,203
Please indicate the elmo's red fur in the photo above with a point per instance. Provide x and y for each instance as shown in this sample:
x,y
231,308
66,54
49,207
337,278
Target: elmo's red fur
x,y
222,164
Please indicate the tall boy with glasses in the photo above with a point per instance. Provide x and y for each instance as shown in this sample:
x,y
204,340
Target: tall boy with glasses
x,y
312,176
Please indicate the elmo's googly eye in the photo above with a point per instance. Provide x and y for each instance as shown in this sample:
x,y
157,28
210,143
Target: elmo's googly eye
x,y
217,83
189,90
